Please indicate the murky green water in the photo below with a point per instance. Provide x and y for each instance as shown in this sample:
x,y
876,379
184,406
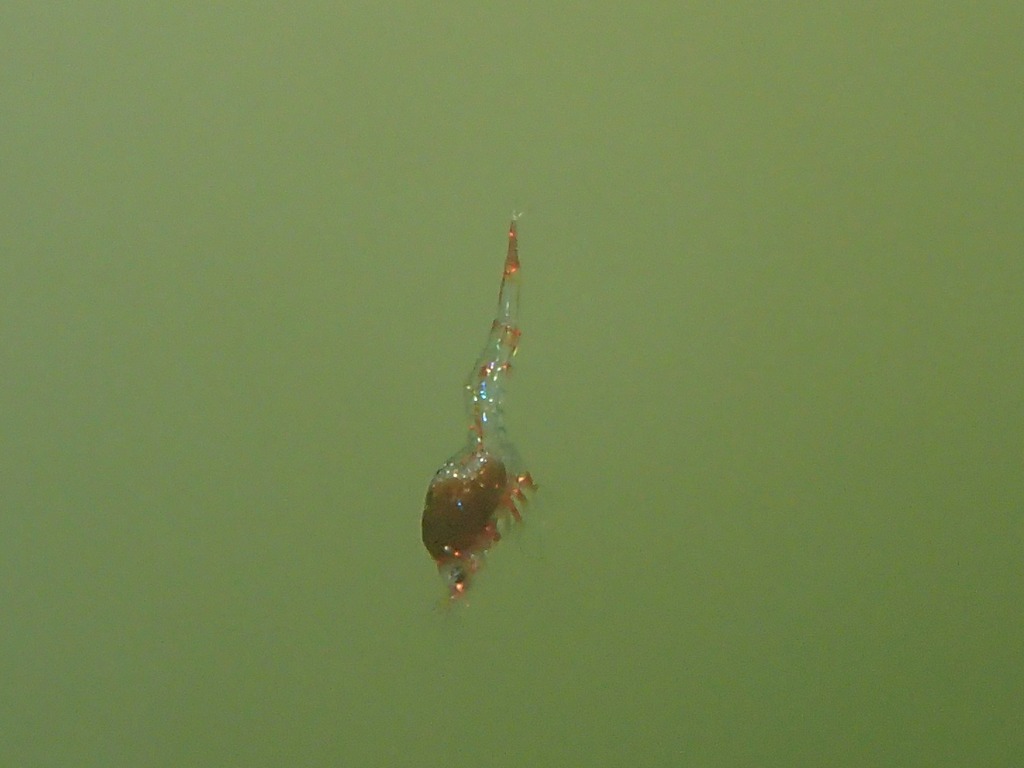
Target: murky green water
x,y
769,382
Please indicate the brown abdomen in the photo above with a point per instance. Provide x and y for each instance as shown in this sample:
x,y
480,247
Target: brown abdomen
x,y
460,507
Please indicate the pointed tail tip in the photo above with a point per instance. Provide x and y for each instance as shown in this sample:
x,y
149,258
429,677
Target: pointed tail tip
x,y
512,257
516,216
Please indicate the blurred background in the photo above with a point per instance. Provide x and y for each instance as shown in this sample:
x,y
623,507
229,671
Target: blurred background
x,y
769,382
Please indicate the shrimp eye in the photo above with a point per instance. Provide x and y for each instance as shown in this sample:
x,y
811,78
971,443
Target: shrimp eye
x,y
457,578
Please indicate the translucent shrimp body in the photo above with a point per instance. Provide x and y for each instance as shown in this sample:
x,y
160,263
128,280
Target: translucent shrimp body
x,y
483,487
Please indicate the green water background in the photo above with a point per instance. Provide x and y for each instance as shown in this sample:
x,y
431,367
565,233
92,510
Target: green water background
x,y
769,381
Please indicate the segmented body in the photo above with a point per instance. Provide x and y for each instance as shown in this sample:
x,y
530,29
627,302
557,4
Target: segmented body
x,y
483,487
